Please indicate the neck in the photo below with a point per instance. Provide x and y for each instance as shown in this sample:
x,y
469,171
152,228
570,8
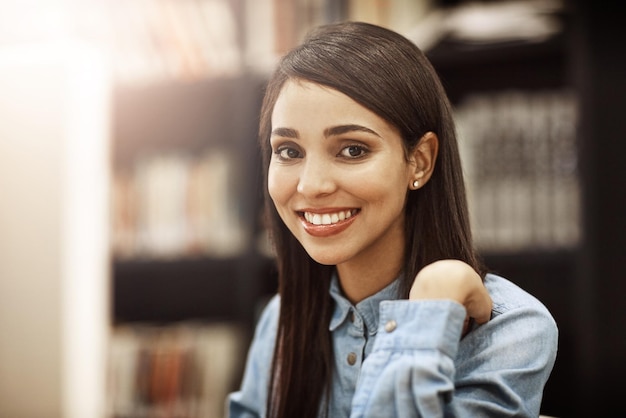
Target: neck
x,y
361,280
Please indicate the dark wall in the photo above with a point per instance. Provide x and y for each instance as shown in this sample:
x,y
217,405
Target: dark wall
x,y
601,287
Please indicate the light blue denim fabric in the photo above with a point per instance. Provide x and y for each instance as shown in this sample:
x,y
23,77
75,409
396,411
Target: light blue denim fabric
x,y
409,360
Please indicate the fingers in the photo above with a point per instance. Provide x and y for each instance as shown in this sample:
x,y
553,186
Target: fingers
x,y
480,307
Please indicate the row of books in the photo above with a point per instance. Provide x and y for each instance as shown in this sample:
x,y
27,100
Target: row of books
x,y
520,158
184,370
153,40
172,205
272,27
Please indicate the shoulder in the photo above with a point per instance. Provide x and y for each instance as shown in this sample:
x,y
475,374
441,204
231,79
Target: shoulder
x,y
513,353
507,296
518,320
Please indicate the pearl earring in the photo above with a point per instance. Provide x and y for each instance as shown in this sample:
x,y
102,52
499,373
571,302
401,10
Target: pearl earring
x,y
416,184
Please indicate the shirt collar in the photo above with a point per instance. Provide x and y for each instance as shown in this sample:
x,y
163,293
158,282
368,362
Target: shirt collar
x,y
366,311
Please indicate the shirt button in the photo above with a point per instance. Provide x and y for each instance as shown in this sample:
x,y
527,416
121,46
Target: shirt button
x,y
351,359
390,326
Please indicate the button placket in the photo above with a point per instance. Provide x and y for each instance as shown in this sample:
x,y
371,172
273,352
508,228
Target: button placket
x,y
356,331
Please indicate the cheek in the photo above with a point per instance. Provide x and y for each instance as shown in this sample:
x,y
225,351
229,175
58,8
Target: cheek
x,y
387,194
279,186
382,183
386,197
273,188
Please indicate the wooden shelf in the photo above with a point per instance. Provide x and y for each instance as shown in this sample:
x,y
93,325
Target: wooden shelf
x,y
204,289
187,116
465,68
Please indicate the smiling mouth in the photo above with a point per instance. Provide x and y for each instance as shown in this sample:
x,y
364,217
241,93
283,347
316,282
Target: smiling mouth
x,y
328,218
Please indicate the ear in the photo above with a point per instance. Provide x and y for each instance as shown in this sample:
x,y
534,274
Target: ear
x,y
423,158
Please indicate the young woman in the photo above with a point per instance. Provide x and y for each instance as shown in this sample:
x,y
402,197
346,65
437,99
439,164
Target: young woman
x,y
383,309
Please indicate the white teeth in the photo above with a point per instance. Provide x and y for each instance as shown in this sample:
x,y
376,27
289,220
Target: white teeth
x,y
327,218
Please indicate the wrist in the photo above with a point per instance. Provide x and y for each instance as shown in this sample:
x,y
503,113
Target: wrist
x,y
443,279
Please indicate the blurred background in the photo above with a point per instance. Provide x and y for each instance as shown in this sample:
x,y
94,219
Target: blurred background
x,y
133,256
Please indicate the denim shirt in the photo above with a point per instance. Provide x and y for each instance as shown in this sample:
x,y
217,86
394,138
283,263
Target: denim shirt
x,y
401,358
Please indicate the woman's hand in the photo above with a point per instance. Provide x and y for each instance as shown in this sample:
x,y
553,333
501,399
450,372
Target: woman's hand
x,y
454,280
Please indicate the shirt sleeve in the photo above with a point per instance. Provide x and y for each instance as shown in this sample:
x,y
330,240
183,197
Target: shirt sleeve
x,y
420,367
410,372
249,401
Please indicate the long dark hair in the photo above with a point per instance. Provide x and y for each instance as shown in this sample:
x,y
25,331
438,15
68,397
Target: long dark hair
x,y
390,76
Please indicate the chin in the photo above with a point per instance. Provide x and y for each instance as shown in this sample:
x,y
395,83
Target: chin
x,y
327,259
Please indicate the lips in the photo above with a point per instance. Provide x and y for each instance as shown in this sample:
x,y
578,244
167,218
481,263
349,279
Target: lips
x,y
327,223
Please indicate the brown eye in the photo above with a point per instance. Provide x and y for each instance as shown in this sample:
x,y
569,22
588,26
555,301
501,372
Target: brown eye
x,y
287,153
353,151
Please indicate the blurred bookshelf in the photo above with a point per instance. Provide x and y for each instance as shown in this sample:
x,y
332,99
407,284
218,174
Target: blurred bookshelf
x,y
186,210
521,165
182,370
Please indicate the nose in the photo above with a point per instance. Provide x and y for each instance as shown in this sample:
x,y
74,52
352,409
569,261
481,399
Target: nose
x,y
316,178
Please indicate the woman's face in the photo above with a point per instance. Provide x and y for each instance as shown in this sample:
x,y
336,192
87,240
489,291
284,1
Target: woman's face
x,y
337,176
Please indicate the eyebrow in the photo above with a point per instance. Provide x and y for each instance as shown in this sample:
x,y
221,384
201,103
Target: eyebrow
x,y
286,133
333,130
342,129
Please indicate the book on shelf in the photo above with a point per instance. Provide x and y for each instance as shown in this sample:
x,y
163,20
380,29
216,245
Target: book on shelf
x,y
172,205
154,40
180,370
520,157
272,27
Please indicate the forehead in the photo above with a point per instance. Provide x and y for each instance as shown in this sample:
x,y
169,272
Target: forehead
x,y
305,102
302,93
